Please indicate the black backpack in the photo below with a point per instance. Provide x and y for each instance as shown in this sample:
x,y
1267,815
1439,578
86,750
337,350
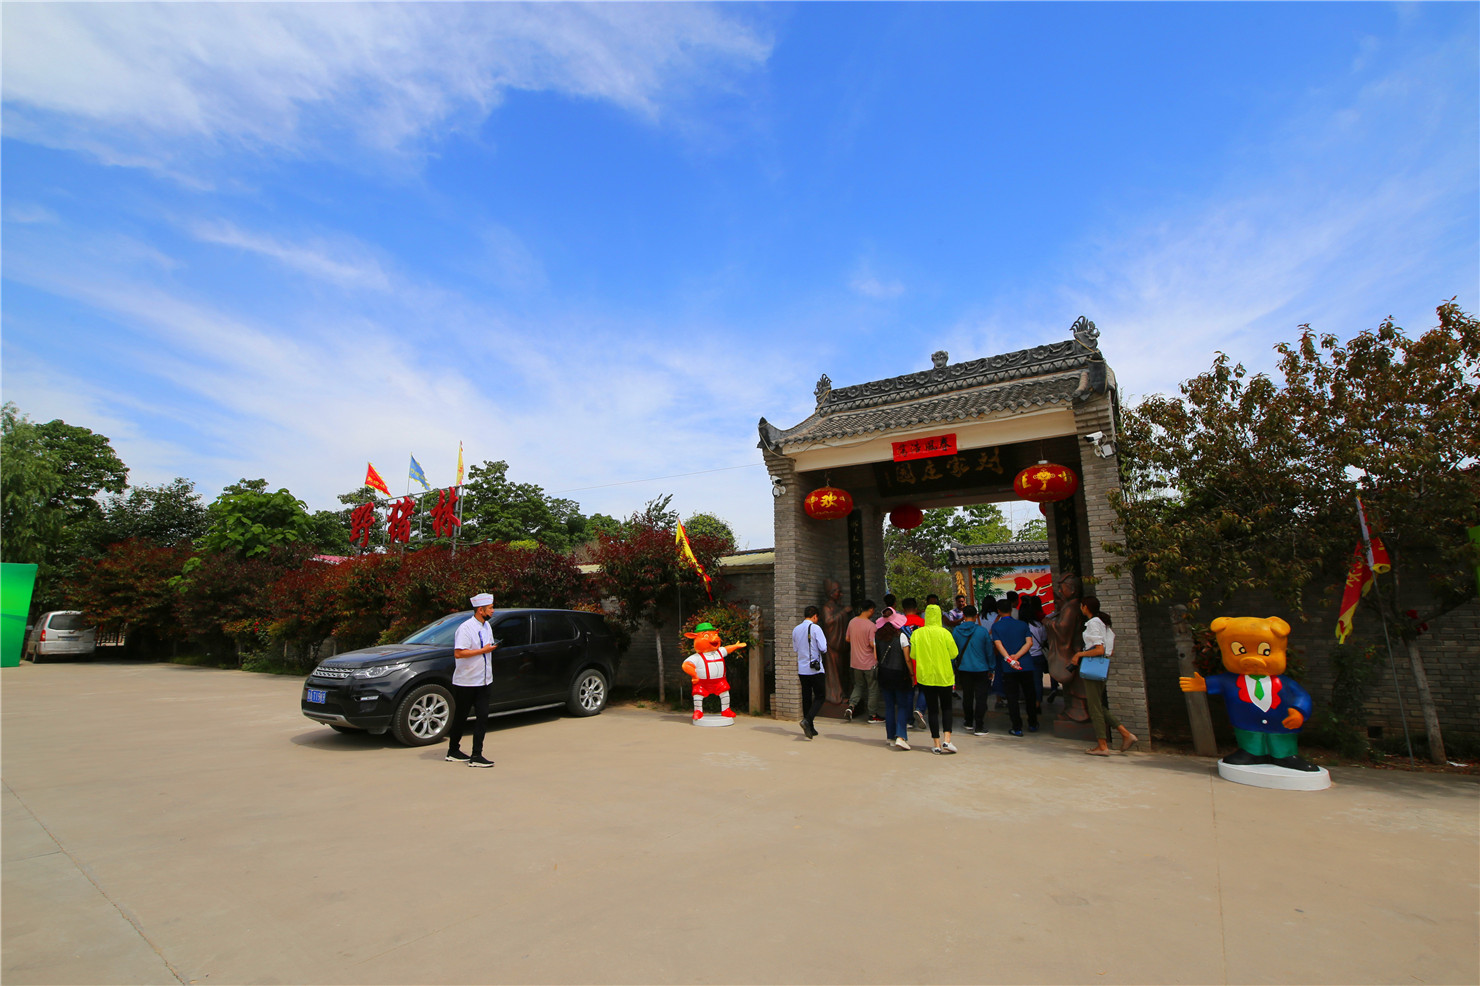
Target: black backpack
x,y
894,671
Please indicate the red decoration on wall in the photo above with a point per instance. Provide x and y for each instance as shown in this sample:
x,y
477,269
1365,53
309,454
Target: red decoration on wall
x,y
906,516
361,523
1042,587
444,514
1046,482
398,524
828,503
924,448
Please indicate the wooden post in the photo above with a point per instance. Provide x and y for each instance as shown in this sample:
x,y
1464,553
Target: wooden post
x,y
1203,742
757,662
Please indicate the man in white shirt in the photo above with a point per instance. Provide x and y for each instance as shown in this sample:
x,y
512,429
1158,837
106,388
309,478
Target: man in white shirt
x,y
471,679
810,643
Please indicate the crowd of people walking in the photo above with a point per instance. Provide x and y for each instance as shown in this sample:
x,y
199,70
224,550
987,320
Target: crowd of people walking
x,y
909,667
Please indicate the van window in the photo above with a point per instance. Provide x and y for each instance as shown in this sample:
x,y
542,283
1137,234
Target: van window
x,y
68,621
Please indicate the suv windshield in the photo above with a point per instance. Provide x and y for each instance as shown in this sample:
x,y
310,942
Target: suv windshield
x,y
439,634
68,621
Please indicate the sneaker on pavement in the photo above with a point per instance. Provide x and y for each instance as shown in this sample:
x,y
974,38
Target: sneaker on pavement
x,y
456,756
968,729
1033,727
1014,732
479,761
874,719
920,718
848,715
948,746
900,743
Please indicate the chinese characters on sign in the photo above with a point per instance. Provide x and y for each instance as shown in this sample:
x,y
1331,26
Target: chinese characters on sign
x,y
398,524
925,448
361,523
444,514
364,522
974,467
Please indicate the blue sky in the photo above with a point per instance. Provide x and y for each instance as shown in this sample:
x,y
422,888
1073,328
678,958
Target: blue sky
x,y
601,242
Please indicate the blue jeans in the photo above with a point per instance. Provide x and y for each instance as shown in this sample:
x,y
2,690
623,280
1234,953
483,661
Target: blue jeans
x,y
896,713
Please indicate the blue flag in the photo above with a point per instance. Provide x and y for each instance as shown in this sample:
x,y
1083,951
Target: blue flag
x,y
419,476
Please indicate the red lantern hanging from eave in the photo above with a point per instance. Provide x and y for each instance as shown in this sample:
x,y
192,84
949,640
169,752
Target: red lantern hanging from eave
x,y
1046,482
906,516
828,503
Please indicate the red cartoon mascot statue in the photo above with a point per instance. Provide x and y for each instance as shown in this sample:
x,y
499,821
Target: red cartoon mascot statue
x,y
707,669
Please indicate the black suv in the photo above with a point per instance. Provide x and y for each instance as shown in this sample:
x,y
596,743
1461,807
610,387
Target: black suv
x,y
546,658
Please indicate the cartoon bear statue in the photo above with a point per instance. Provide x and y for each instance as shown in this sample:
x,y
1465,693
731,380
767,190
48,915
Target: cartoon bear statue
x,y
1266,707
707,669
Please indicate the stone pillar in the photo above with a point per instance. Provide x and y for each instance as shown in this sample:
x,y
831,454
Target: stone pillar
x,y
797,562
873,550
1117,595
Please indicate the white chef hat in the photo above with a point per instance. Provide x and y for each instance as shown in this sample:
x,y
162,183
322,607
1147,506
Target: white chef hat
x,y
482,599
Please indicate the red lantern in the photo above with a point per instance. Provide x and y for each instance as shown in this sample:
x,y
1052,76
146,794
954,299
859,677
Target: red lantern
x,y
828,503
906,516
1046,482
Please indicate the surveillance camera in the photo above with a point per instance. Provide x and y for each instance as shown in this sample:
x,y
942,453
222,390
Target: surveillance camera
x,y
1094,437
778,489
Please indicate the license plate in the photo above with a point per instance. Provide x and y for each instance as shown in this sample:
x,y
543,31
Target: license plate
x,y
317,696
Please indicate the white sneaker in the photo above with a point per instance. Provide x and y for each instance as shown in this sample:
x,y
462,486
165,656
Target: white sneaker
x,y
899,742
948,747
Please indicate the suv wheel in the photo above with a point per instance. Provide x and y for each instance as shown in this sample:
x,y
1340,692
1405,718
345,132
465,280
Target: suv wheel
x,y
588,693
423,716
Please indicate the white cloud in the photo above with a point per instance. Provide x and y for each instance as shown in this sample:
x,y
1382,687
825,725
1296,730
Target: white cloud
x,y
347,265
136,83
870,285
29,212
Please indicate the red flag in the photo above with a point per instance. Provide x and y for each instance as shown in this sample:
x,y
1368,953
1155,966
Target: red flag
x,y
373,480
1358,582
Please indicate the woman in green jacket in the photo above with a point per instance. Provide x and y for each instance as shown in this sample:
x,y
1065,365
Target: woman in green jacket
x,y
932,648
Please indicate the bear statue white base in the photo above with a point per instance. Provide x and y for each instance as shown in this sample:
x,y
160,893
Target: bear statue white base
x,y
1276,778
710,719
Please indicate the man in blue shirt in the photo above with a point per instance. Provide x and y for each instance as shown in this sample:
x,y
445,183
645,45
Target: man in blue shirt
x,y
810,643
974,642
1012,643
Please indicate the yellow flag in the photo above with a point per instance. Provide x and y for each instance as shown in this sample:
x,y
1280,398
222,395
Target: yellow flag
x,y
459,465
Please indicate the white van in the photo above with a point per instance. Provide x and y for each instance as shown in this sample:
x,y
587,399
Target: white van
x,y
61,632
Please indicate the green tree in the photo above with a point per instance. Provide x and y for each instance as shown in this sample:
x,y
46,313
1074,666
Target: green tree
x,y
599,524
30,482
709,524
87,465
911,576
169,514
496,509
247,521
1032,529
1248,482
979,523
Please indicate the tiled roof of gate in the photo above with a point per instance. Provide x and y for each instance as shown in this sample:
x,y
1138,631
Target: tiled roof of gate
x,y
1001,555
1057,373
1018,395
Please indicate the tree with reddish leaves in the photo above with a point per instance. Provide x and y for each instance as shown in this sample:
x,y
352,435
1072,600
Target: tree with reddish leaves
x,y
128,589
642,567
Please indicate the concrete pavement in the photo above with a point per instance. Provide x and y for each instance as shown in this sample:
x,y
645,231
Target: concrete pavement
x,y
165,824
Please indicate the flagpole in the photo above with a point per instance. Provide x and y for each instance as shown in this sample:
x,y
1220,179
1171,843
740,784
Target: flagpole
x,y
1392,662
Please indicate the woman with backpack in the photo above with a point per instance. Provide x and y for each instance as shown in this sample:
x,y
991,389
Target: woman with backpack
x,y
1099,641
895,681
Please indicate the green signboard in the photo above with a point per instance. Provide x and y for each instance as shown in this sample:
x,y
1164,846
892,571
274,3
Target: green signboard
x,y
16,585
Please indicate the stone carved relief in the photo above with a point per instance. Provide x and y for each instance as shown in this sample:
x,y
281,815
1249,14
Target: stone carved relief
x,y
1064,629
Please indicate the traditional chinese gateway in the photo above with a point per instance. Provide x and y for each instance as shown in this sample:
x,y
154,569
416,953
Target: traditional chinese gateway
x,y
956,434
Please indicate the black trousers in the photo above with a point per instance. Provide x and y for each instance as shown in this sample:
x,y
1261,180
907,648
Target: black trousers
x,y
938,709
464,696
814,689
976,687
1019,685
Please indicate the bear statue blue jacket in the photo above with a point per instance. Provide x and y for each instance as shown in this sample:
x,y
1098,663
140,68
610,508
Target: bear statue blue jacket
x,y
1243,710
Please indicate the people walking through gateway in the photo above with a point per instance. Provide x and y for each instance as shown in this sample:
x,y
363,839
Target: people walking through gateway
x,y
472,674
1030,611
1099,641
1012,644
974,674
896,682
864,664
956,614
810,643
932,648
913,622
